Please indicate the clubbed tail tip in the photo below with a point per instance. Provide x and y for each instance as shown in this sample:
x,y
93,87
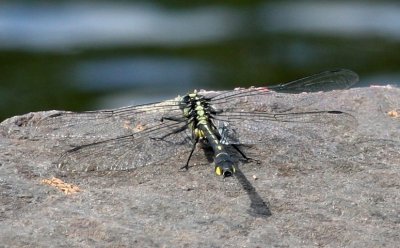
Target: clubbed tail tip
x,y
227,172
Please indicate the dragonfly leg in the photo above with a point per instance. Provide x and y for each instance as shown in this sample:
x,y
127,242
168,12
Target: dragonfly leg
x,y
186,166
241,153
172,118
175,131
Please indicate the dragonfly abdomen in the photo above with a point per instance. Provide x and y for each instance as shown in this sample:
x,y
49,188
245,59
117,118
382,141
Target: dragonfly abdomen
x,y
223,162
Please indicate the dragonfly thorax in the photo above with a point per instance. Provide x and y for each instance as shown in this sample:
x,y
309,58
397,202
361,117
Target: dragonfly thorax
x,y
196,108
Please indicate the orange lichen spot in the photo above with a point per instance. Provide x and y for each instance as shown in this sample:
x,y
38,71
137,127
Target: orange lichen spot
x,y
127,125
139,127
394,113
67,188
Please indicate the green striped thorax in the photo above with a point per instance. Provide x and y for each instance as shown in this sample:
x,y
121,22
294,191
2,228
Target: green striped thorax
x,y
197,109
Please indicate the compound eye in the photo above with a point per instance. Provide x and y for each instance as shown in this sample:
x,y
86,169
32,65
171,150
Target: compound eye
x,y
186,99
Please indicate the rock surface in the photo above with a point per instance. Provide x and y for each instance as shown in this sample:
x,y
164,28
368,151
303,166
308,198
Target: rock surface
x,y
330,186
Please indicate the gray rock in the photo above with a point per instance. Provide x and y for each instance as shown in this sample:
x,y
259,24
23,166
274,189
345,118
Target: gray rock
x,y
334,183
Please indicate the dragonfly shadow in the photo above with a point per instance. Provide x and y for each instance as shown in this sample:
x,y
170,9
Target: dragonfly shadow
x,y
258,207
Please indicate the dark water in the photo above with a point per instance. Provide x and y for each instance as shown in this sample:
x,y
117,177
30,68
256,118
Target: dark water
x,y
82,56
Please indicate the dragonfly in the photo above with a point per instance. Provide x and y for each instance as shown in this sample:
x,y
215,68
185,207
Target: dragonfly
x,y
130,137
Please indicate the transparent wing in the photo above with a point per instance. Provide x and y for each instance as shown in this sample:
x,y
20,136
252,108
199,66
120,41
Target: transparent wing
x,y
257,115
116,139
93,126
129,151
324,81
262,127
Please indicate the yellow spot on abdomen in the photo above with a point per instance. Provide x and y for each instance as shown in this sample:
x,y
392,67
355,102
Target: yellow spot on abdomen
x,y
218,170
